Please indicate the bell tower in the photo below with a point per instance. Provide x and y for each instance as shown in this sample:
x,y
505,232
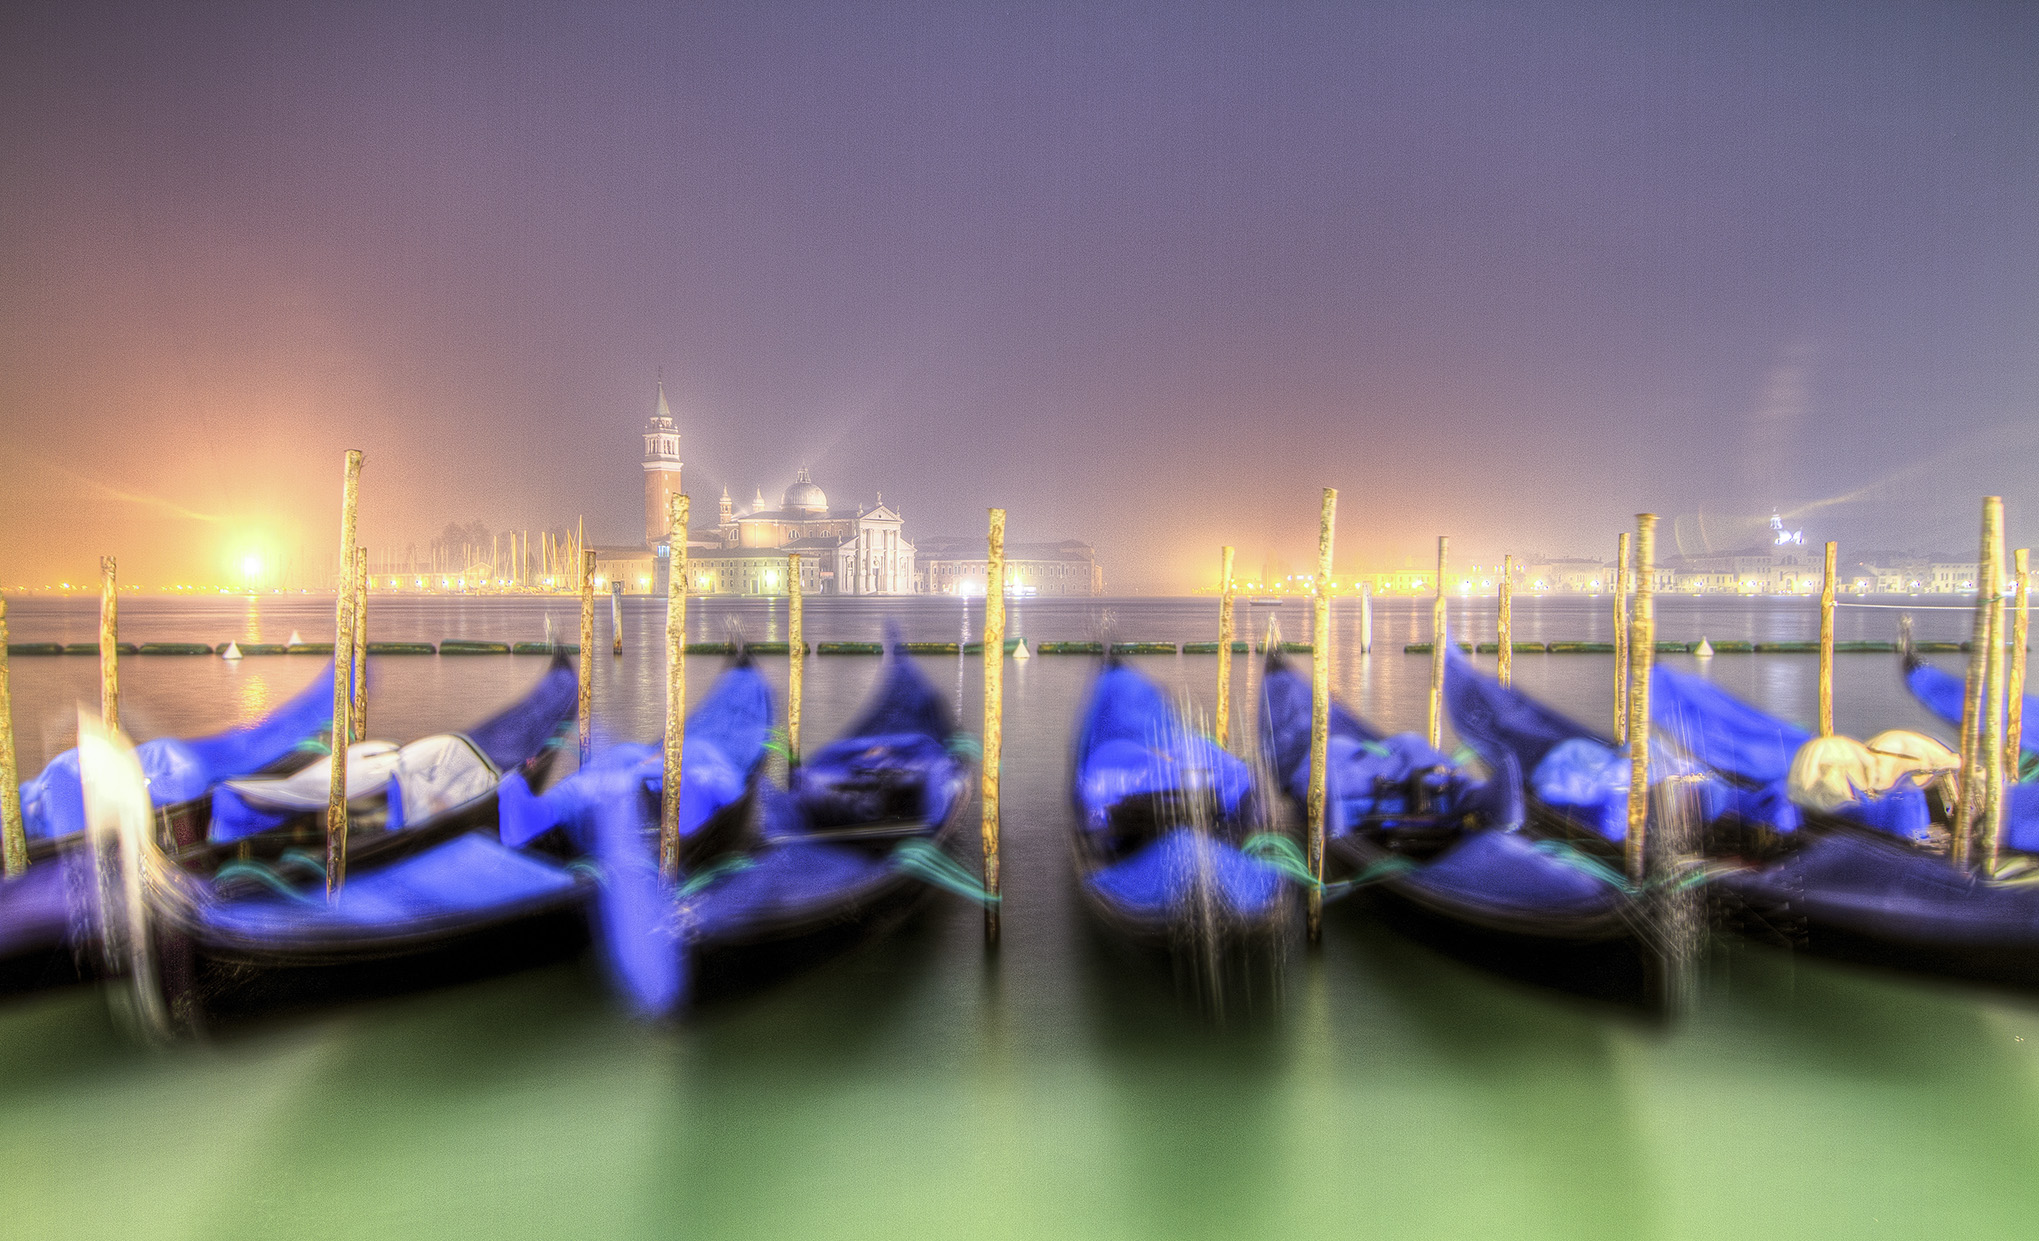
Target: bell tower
x,y
661,469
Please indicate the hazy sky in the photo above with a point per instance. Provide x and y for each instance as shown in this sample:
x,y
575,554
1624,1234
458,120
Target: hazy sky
x,y
1148,275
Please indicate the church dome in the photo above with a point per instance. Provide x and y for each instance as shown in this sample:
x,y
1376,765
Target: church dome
x,y
804,496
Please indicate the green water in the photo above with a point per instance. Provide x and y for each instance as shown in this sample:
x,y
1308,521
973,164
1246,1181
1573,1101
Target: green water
x,y
922,1088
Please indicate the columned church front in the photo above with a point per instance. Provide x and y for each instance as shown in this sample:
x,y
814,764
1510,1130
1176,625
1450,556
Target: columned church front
x,y
843,551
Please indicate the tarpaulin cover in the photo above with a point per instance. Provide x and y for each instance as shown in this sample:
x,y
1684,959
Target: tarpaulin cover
x,y
725,741
1901,811
1507,871
1286,696
1867,885
1369,773
424,778
1721,731
35,905
1589,783
2021,818
647,927
1580,772
469,878
521,730
1943,693
897,747
53,804
1132,744
1493,719
787,880
1161,878
369,765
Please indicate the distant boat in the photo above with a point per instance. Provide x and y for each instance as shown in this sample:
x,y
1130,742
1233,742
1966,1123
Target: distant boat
x,y
1266,601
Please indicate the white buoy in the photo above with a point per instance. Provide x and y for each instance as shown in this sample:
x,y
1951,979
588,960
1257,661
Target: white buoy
x,y
295,640
1704,650
1021,651
233,651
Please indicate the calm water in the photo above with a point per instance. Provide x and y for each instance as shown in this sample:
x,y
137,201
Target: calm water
x,y
921,1088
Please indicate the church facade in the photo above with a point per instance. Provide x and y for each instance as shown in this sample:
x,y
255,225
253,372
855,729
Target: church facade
x,y
854,550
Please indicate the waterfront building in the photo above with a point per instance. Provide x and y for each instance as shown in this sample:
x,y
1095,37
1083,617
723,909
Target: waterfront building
x,y
856,550
957,566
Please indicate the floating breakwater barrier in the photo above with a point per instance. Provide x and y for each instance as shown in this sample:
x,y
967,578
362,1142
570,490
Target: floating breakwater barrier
x,y
473,646
1726,646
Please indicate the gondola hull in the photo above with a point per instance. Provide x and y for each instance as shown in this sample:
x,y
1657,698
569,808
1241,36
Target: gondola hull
x,y
1852,896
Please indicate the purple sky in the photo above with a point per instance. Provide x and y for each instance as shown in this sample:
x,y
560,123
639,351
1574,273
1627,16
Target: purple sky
x,y
1144,275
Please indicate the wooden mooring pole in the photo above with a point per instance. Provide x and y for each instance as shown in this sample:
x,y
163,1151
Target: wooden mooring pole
x,y
1642,646
357,719
2014,695
1827,645
1366,618
1223,728
343,683
109,643
587,653
994,714
1320,708
677,515
1995,802
13,835
796,669
1504,628
1621,646
1973,806
1439,638
615,618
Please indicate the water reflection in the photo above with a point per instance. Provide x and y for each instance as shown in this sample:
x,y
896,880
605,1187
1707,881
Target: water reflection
x,y
921,1087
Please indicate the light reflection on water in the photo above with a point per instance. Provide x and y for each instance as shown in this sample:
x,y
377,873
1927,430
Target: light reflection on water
x,y
922,1089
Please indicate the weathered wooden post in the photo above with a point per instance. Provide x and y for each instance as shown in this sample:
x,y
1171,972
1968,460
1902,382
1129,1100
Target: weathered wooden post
x,y
1642,646
1366,618
1224,728
1621,644
616,617
1995,803
1504,628
1320,708
587,652
358,718
796,669
109,643
1439,638
13,835
2014,696
677,516
994,713
1827,646
343,687
1973,807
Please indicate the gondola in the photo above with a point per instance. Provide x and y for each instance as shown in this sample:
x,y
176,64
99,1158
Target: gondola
x,y
400,796
1164,818
1867,886
44,941
1576,780
1942,693
1442,850
845,852
423,908
183,772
